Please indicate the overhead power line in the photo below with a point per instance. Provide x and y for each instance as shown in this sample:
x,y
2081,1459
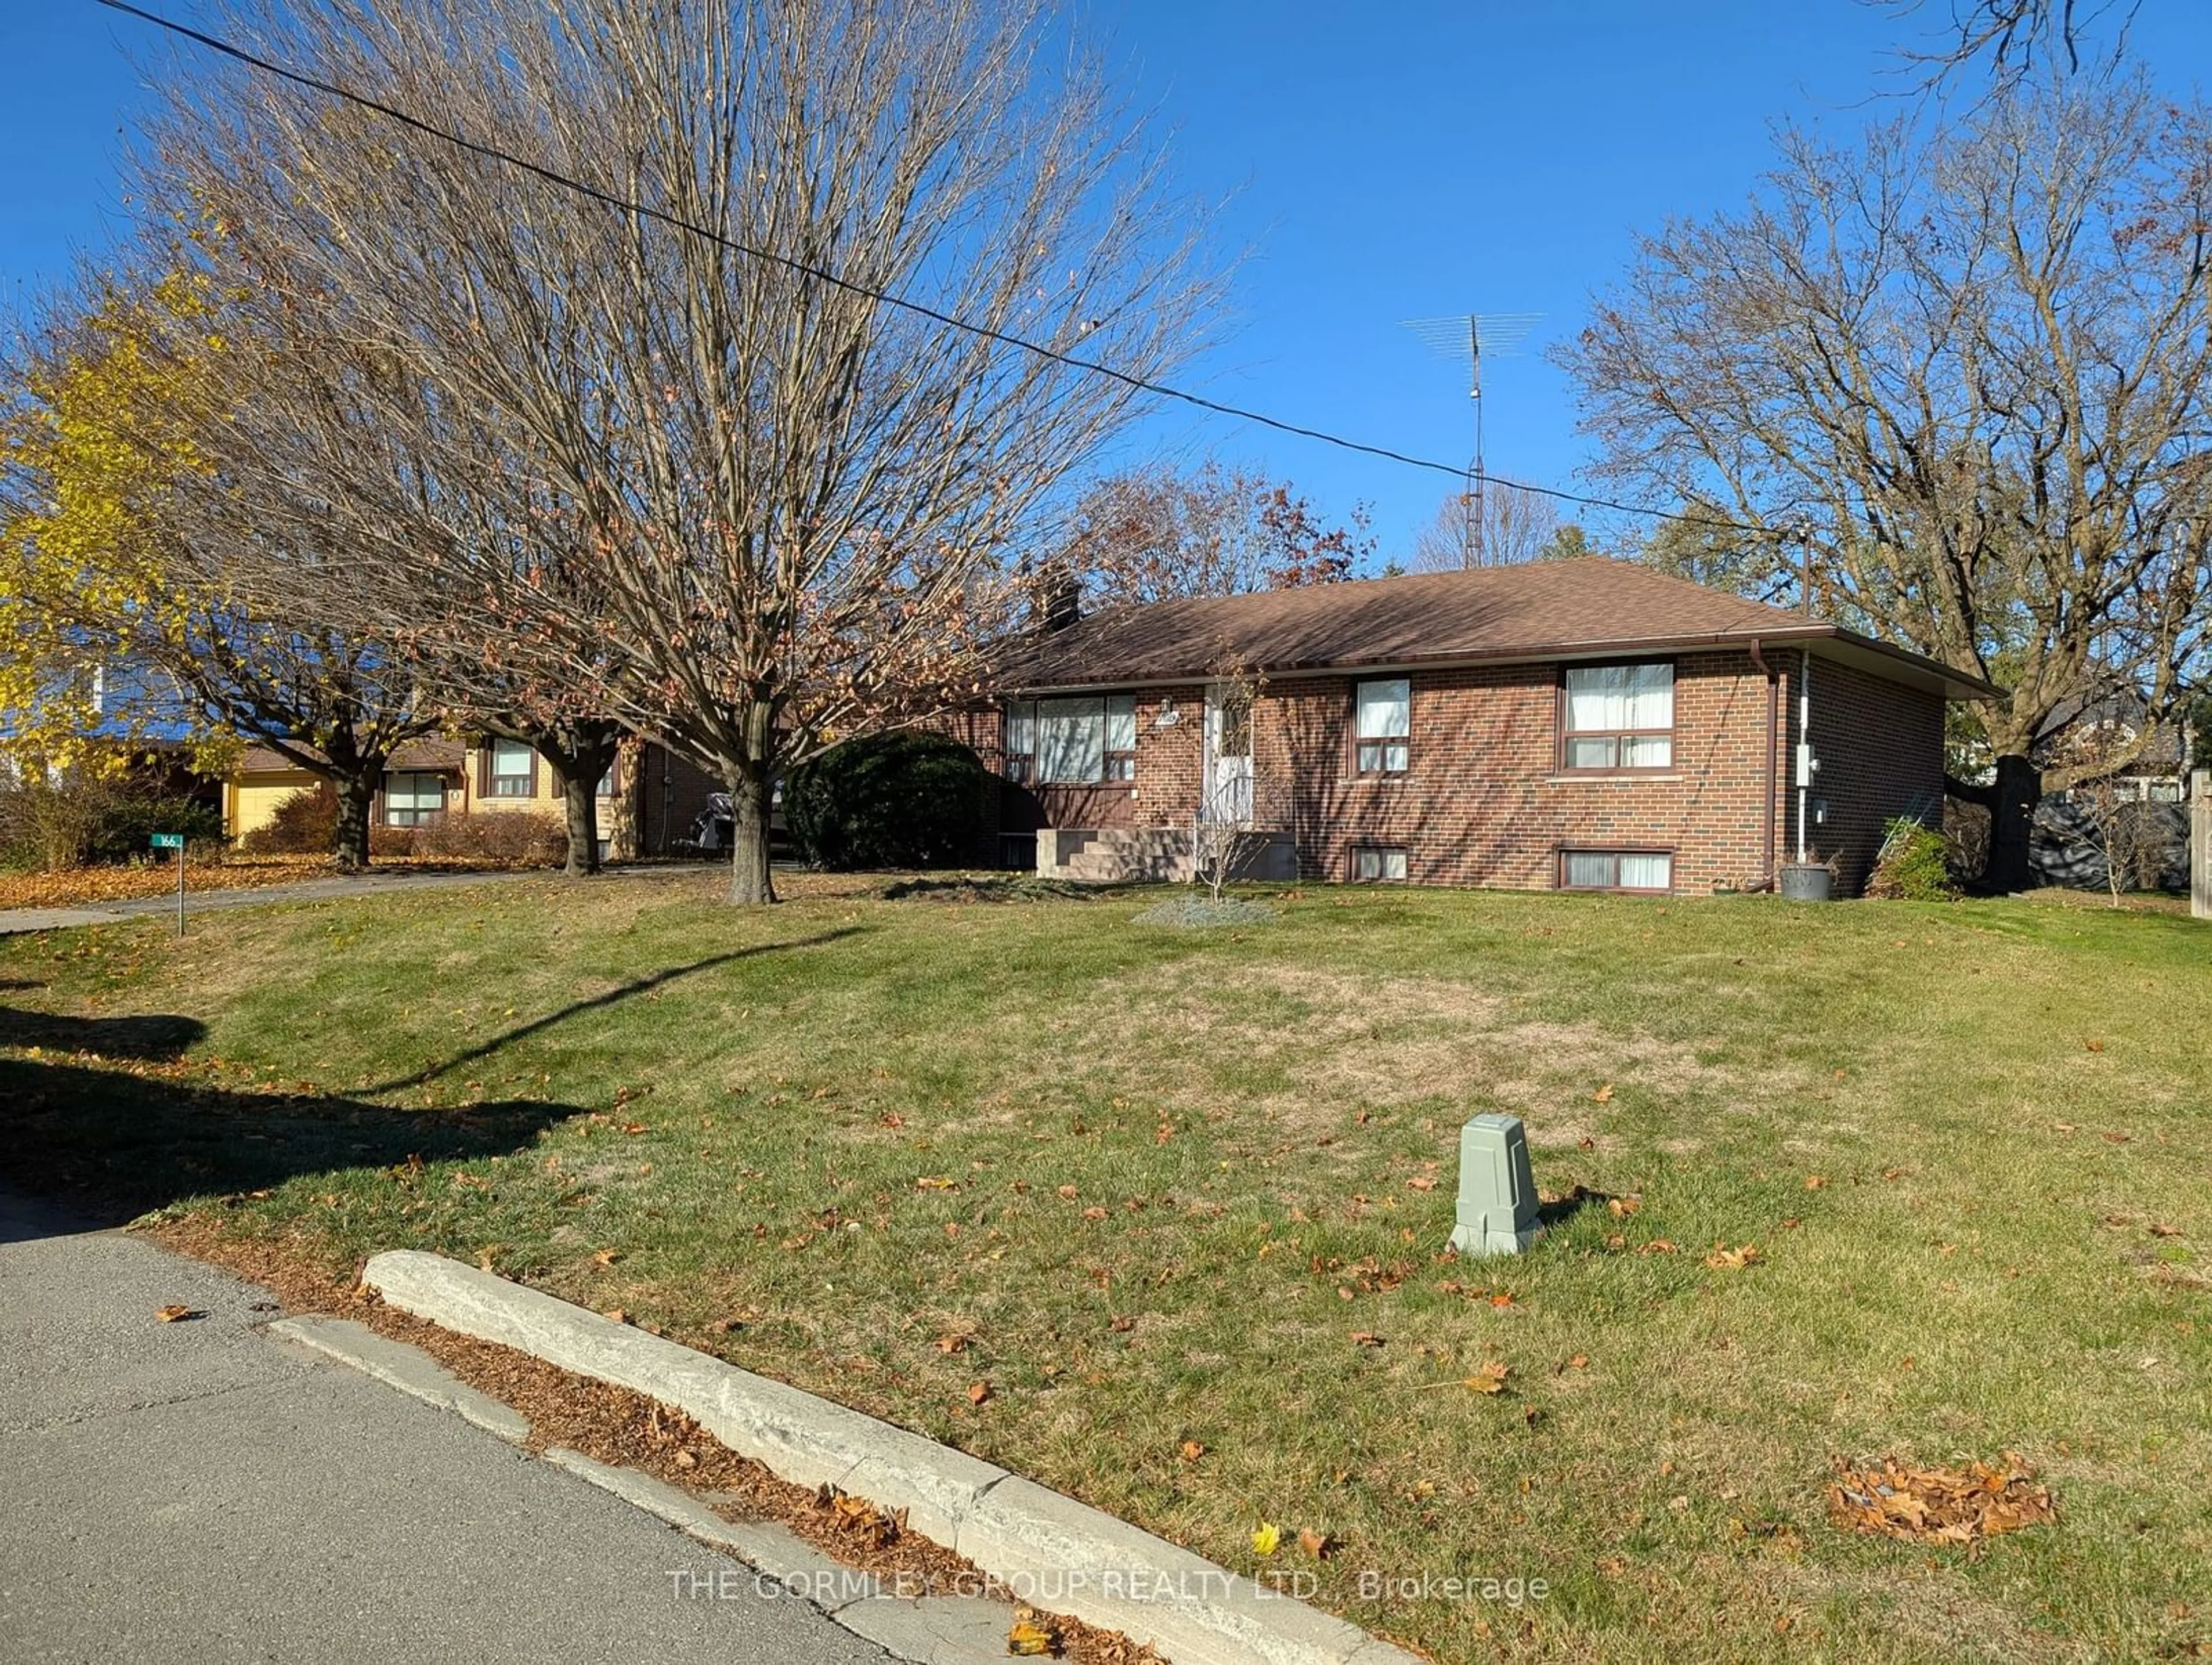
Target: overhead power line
x,y
675,221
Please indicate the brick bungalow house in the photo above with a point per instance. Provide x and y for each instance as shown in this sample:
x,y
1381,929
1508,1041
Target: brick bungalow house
x,y
1572,725
433,779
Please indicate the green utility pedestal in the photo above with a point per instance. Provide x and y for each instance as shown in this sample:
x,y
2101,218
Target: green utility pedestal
x,y
1496,1192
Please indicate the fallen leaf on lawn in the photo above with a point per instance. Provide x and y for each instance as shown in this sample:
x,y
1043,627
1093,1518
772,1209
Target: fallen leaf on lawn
x,y
685,1459
1094,1212
633,1126
175,1314
1365,1339
1120,1323
616,1313
1192,1451
978,1392
606,1256
1028,1638
2093,1044
1580,1361
2117,1138
937,1182
1490,1379
1586,1143
1315,1544
1503,1298
2158,1229
955,1343
1069,1191
1959,1505
1421,1182
1621,1207
1732,1260
1266,1538
1815,1181
1657,1246
1603,1095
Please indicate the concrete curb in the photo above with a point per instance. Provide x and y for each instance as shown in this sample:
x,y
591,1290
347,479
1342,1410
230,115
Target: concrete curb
x,y
405,1368
1064,1555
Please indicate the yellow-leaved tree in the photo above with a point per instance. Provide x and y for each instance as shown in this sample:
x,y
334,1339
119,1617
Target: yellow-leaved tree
x,y
123,611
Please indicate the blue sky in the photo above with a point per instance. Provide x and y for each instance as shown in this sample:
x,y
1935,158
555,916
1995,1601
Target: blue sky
x,y
1404,159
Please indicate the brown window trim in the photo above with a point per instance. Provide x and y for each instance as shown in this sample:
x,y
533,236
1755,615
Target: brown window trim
x,y
1352,742
379,804
486,779
1562,852
1561,734
1355,850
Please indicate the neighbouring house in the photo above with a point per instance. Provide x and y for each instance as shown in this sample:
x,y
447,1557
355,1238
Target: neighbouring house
x,y
2136,811
433,779
1585,725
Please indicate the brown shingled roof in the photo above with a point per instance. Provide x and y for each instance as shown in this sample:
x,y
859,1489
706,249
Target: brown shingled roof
x,y
412,754
1584,608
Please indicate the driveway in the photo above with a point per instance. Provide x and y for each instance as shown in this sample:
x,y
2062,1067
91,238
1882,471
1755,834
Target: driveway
x,y
198,1491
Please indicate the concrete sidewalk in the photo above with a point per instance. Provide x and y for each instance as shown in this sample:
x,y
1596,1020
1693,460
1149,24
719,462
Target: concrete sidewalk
x,y
198,1491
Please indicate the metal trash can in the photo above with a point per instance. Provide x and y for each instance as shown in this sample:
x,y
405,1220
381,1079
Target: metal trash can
x,y
1806,881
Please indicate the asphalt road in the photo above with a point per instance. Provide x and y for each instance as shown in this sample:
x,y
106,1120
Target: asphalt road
x,y
196,1491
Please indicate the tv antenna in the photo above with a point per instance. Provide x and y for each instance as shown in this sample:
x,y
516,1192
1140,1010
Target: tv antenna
x,y
1467,339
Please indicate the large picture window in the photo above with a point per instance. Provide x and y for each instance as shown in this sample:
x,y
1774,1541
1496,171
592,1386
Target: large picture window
x,y
1382,726
1085,741
413,796
1619,717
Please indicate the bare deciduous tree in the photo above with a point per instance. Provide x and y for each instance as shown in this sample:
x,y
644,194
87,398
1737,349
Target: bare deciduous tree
x,y
1974,374
800,499
2018,39
1510,526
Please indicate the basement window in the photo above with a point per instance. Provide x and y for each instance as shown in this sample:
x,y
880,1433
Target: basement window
x,y
1378,863
1648,872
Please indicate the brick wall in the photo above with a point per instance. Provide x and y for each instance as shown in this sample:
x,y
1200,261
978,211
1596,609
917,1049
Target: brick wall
x,y
1484,802
1881,749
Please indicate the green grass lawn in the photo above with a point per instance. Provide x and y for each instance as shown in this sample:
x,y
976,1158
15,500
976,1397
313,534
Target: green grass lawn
x,y
1165,1190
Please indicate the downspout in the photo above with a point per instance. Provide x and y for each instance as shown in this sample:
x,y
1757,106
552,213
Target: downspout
x,y
1773,760
1804,752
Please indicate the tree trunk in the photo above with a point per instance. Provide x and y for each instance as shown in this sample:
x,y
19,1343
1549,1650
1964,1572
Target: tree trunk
x,y
579,807
349,847
2018,789
751,884
579,755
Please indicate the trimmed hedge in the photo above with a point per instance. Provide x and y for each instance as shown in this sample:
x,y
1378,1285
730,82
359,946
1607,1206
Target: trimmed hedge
x,y
902,800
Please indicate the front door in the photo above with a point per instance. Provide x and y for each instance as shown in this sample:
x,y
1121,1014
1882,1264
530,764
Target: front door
x,y
1228,755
